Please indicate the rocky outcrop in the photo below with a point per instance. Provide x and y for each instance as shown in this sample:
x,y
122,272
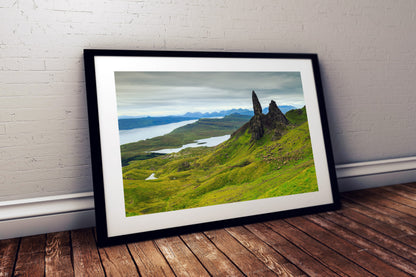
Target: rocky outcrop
x,y
275,116
256,122
274,120
256,104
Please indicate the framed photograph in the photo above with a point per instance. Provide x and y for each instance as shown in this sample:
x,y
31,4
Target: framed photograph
x,y
190,141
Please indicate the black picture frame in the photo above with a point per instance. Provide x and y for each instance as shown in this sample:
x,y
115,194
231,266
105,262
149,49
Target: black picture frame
x,y
113,225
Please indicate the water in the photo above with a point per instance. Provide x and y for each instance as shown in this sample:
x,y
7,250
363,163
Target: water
x,y
133,135
208,142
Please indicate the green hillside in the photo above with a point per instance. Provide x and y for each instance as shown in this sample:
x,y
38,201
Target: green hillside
x,y
297,116
203,128
237,170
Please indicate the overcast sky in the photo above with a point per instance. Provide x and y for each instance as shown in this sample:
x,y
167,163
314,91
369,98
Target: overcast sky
x,y
175,93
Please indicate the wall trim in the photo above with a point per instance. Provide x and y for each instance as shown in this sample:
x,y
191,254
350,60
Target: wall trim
x,y
49,205
375,167
40,215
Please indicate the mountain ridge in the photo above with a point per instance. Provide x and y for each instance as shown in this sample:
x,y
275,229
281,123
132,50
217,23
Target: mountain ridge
x,y
131,122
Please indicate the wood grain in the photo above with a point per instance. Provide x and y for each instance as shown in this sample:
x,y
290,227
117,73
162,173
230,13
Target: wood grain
x,y
305,262
345,248
392,245
380,226
58,255
117,261
8,251
270,257
31,257
405,187
324,254
383,201
372,203
149,259
409,229
85,254
366,245
373,234
402,190
394,196
213,260
181,259
238,254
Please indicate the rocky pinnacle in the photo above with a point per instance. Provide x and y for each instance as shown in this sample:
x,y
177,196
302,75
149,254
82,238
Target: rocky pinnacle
x,y
256,104
274,120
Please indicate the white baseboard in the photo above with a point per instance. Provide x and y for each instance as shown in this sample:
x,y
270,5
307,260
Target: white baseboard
x,y
363,175
46,224
26,217
74,211
375,167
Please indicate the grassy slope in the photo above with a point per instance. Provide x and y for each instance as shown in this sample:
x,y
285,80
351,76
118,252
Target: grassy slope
x,y
297,116
203,128
237,170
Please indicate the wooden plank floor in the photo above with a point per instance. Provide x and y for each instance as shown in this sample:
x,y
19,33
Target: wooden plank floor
x,y
372,235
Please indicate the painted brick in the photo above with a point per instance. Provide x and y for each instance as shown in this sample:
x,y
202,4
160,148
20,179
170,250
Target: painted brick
x,y
366,49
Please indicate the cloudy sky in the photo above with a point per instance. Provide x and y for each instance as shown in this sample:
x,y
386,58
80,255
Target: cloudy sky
x,y
175,93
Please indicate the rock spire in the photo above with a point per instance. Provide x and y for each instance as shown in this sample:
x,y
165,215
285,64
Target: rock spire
x,y
275,115
256,124
274,120
256,104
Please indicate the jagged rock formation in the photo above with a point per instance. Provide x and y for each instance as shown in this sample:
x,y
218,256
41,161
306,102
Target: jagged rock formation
x,y
274,120
256,104
275,116
256,122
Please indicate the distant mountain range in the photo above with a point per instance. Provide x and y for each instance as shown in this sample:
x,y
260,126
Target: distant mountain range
x,y
132,122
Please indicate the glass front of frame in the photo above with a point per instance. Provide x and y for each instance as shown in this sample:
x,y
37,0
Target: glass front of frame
x,y
192,139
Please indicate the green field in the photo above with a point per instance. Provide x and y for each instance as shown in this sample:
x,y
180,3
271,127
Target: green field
x,y
239,169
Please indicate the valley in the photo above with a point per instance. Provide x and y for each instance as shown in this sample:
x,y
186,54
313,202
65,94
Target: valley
x,y
279,163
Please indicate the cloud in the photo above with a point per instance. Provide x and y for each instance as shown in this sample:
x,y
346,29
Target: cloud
x,y
163,93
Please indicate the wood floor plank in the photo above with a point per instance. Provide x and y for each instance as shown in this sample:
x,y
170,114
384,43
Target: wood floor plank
x,y
305,262
341,265
213,260
380,200
346,249
394,196
31,256
373,234
380,226
58,255
406,187
402,190
391,244
85,254
181,259
8,252
117,261
407,228
270,257
366,245
238,254
371,203
413,185
149,259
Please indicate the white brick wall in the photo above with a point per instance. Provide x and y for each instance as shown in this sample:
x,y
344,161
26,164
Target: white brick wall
x,y
366,48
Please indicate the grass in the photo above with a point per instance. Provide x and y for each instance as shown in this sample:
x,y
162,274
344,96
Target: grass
x,y
237,170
